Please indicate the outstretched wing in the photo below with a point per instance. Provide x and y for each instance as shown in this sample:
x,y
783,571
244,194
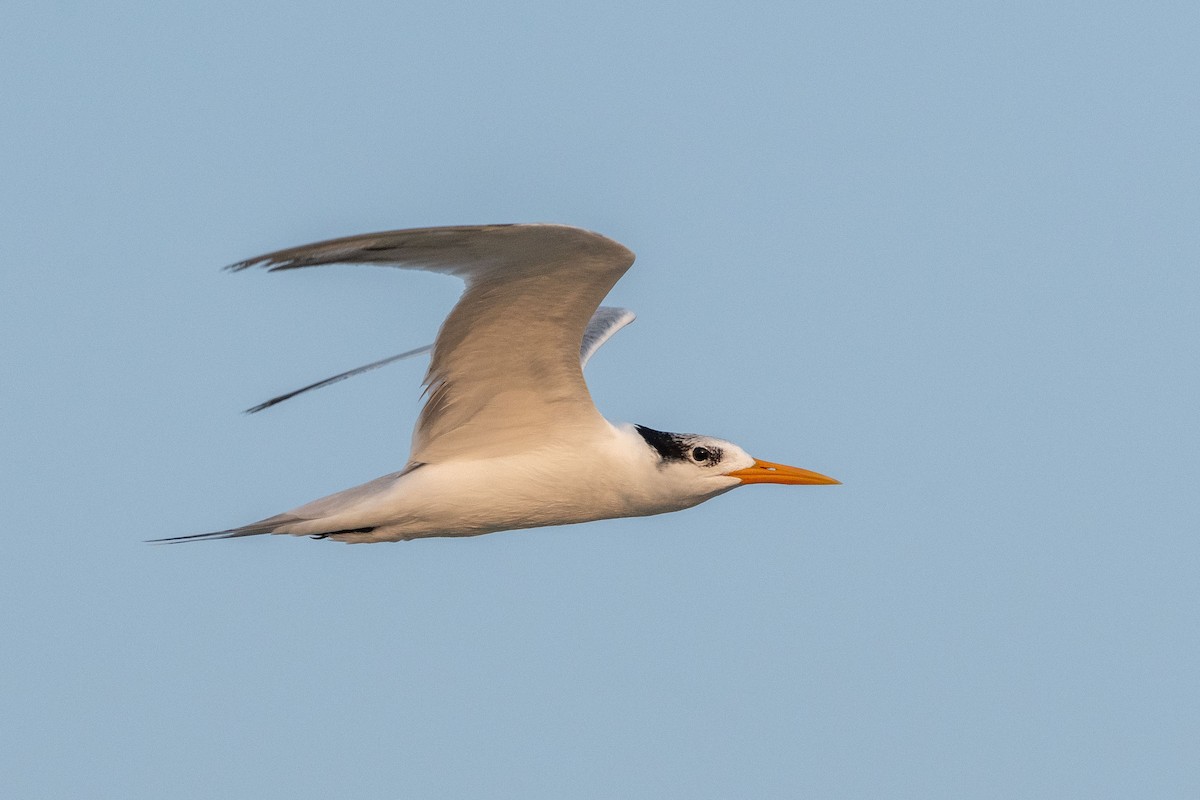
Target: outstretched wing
x,y
505,370
604,323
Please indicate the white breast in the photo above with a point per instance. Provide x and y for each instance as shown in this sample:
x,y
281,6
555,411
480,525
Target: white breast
x,y
611,473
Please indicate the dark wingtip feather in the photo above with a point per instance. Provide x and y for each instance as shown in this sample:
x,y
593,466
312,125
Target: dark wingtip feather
x,y
274,401
247,264
270,264
341,376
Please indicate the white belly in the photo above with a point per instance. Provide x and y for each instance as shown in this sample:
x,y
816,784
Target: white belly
x,y
612,475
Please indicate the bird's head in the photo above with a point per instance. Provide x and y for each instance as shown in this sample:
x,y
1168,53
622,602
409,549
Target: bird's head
x,y
705,466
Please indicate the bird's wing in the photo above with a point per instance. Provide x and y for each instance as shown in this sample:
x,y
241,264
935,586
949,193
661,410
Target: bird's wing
x,y
505,370
604,323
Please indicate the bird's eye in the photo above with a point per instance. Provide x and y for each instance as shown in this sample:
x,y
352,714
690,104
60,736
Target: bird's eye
x,y
701,454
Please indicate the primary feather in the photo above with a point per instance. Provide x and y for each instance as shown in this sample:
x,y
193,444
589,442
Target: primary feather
x,y
604,323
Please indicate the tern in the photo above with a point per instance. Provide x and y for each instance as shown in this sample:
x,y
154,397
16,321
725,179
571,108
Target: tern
x,y
508,436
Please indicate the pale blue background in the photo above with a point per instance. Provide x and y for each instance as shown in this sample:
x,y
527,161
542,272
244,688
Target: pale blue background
x,y
946,252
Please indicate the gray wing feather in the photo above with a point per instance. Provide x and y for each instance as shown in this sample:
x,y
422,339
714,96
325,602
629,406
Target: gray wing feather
x,y
605,322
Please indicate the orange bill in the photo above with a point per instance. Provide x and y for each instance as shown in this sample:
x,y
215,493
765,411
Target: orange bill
x,y
767,472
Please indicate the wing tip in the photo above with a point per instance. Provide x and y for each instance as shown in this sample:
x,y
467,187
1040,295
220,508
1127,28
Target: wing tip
x,y
264,405
241,265
266,262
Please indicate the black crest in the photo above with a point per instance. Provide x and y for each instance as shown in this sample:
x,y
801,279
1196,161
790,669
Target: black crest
x,y
670,446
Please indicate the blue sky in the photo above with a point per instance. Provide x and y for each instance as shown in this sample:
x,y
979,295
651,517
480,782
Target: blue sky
x,y
944,252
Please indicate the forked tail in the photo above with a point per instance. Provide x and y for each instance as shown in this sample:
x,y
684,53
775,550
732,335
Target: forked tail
x,y
272,525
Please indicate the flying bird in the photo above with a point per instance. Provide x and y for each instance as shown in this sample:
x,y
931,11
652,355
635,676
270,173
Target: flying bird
x,y
508,436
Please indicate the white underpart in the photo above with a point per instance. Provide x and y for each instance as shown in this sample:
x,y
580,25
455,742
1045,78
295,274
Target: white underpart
x,y
610,473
